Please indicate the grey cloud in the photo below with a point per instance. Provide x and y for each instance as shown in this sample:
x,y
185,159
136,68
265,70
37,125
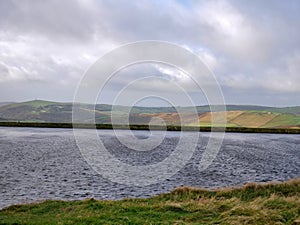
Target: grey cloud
x,y
54,19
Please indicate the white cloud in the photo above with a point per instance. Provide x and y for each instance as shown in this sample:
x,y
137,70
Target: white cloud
x,y
231,32
172,73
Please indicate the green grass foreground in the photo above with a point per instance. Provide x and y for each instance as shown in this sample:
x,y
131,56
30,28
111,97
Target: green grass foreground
x,y
271,203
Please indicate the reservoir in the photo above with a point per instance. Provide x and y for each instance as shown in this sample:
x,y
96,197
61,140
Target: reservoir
x,y
45,163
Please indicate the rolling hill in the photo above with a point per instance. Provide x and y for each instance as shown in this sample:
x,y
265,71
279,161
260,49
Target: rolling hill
x,y
237,115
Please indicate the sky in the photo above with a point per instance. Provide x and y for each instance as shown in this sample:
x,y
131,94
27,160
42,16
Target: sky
x,y
252,47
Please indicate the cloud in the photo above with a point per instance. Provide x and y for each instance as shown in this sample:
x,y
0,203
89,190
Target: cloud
x,y
66,21
249,45
15,74
230,31
286,78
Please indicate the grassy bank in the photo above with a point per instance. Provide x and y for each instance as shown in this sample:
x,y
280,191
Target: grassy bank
x,y
146,127
252,204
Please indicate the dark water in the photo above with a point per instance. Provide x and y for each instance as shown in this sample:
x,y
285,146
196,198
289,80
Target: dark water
x,y
39,163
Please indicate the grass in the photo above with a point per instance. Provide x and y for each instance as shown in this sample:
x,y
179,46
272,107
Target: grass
x,y
272,203
34,103
284,120
253,119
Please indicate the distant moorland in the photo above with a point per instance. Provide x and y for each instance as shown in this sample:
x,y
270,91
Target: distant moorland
x,y
250,116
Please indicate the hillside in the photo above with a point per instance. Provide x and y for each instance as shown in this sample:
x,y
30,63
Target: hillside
x,y
237,115
5,103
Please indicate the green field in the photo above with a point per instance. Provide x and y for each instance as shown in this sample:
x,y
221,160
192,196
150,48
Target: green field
x,y
252,204
289,120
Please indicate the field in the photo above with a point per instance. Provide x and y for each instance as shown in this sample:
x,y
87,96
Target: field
x,y
272,203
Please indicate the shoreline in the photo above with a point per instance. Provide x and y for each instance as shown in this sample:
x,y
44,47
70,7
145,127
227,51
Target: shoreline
x,y
146,127
262,203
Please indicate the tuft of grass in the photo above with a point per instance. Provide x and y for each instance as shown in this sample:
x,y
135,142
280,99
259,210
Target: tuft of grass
x,y
270,203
